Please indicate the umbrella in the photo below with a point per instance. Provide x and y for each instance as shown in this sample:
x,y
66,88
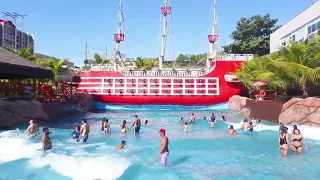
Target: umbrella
x,y
259,83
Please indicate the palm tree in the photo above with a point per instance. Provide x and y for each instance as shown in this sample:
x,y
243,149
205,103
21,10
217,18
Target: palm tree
x,y
97,59
296,60
25,53
56,66
140,62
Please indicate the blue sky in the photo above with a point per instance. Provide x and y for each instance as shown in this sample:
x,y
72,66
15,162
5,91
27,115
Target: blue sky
x,y
61,27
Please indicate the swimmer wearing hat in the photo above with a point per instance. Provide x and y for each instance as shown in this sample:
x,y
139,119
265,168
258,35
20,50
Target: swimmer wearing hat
x,y
164,149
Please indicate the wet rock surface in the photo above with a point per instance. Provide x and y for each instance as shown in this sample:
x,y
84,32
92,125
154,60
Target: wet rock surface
x,y
300,111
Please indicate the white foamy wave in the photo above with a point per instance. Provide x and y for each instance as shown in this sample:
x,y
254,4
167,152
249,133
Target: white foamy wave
x,y
83,167
14,147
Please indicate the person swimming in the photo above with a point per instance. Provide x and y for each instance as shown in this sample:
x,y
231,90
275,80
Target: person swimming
x,y
284,141
121,146
84,130
181,120
123,127
223,118
231,131
102,124
296,141
76,134
146,123
186,127
136,124
204,118
45,140
245,126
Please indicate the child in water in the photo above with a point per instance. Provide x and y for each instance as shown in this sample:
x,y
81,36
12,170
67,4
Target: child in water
x,y
76,134
121,146
186,127
45,140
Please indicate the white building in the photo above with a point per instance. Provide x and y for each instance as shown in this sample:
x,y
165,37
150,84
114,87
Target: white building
x,y
302,27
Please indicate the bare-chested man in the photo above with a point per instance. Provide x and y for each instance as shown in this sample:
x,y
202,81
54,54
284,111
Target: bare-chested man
x,y
164,150
85,129
45,140
33,129
245,127
136,124
192,118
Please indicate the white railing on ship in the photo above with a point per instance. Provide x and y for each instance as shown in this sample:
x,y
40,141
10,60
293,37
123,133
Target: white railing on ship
x,y
184,86
167,73
234,57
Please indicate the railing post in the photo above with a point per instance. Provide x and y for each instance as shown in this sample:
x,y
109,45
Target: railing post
x,y
102,85
114,86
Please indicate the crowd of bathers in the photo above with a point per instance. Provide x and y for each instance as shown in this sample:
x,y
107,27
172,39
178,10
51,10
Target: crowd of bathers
x,y
81,133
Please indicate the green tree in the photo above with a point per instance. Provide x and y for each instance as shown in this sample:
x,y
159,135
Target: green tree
x,y
97,59
140,62
25,53
252,35
56,66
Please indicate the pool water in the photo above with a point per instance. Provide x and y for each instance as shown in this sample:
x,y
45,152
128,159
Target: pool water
x,y
203,153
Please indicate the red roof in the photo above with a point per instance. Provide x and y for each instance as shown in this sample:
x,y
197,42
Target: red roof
x,y
2,20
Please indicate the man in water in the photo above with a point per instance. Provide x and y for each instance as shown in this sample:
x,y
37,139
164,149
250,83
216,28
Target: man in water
x,y
85,129
245,126
254,121
32,129
193,118
136,124
164,150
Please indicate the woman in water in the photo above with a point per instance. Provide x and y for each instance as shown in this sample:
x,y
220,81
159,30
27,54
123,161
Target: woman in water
x,y
102,124
124,127
284,141
146,123
254,122
181,120
46,141
231,131
186,127
121,146
297,140
106,127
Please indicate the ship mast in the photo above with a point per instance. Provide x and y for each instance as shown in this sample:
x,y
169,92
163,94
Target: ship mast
x,y
165,11
119,37
213,38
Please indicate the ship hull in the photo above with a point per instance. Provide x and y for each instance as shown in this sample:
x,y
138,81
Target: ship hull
x,y
226,89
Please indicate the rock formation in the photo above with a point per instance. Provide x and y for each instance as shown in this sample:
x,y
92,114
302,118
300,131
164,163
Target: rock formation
x,y
301,111
13,112
18,112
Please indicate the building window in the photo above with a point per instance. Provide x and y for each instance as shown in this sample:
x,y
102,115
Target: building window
x,y
313,28
283,43
309,30
318,25
294,38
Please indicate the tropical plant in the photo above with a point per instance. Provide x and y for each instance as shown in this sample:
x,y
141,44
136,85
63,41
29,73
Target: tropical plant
x,y
293,66
25,53
140,62
97,59
56,66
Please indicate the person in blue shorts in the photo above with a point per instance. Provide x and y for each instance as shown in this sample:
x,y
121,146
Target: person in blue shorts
x,y
136,124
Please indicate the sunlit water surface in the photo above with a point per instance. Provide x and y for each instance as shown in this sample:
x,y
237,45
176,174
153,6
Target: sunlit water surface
x,y
203,153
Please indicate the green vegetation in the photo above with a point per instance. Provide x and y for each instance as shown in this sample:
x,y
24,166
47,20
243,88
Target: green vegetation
x,y
252,35
297,65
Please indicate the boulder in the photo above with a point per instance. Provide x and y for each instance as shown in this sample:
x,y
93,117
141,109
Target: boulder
x,y
14,112
84,101
301,112
237,103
